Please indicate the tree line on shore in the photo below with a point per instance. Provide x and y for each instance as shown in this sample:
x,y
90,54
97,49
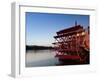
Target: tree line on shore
x,y
36,47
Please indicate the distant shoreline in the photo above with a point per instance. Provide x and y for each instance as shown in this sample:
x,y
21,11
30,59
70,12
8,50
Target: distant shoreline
x,y
35,47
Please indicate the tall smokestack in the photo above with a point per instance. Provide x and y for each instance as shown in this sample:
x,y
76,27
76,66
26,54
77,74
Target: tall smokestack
x,y
75,23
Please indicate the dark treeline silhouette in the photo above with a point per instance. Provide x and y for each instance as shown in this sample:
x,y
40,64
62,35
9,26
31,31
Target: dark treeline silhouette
x,y
35,47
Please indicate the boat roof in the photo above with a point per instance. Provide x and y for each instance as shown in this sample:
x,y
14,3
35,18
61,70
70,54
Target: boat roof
x,y
69,33
71,29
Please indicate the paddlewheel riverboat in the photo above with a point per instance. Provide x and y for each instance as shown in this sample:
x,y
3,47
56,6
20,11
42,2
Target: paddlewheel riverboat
x,y
72,45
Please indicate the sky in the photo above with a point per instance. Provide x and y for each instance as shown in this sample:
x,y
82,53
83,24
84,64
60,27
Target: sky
x,y
41,27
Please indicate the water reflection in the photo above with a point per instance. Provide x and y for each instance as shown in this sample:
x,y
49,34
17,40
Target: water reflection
x,y
38,58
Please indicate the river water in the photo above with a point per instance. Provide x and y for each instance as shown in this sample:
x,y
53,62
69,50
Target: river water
x,y
39,58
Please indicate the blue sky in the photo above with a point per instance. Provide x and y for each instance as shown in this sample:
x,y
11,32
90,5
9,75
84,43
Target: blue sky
x,y
41,27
